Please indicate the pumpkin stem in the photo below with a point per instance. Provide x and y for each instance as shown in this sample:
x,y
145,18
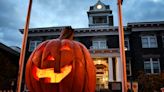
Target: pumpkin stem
x,y
67,33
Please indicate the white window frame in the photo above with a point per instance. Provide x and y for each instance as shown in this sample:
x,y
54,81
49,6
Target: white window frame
x,y
34,46
130,68
149,43
151,62
100,41
128,44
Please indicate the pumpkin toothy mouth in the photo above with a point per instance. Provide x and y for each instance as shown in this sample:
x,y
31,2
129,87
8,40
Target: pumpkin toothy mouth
x,y
49,75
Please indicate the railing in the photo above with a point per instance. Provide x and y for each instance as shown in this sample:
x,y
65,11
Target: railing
x,y
92,50
95,47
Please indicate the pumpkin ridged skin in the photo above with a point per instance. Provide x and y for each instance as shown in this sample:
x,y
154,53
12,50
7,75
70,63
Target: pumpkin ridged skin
x,y
82,77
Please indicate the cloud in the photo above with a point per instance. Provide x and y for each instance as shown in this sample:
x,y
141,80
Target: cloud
x,y
10,37
60,13
1,34
10,22
143,10
68,12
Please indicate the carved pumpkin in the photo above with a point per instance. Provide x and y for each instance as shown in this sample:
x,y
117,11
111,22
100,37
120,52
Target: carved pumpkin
x,y
60,65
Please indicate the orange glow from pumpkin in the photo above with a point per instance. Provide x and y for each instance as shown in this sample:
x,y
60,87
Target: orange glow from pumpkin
x,y
50,58
65,48
49,74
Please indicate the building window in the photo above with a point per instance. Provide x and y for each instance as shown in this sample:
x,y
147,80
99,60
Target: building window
x,y
77,39
33,45
152,66
163,40
127,45
91,8
149,42
101,44
107,7
25,88
128,68
99,19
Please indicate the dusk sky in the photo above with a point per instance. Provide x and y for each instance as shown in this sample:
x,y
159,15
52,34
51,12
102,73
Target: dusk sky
x,y
49,13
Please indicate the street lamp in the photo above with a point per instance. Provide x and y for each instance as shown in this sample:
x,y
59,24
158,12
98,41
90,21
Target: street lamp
x,y
23,49
121,44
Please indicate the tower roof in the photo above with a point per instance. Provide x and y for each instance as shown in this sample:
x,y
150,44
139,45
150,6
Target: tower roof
x,y
100,15
99,6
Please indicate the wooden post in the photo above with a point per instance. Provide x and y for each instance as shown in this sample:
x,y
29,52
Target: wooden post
x,y
122,45
23,49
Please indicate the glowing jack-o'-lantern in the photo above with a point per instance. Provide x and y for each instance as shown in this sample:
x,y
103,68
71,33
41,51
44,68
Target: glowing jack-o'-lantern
x,y
60,65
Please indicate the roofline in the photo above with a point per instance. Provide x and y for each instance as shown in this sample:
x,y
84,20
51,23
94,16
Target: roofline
x,y
148,22
41,28
8,49
58,29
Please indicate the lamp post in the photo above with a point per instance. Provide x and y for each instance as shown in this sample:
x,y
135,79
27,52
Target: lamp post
x,y
23,50
121,44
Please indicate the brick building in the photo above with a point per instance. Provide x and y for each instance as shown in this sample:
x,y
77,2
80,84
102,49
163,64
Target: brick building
x,y
144,43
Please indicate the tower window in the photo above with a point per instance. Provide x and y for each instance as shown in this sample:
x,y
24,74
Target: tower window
x,y
91,8
99,19
107,7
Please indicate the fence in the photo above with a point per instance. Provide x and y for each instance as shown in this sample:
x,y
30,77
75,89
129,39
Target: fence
x,y
6,91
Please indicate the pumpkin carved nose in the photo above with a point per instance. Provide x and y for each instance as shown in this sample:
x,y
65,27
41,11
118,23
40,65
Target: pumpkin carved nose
x,y
50,58
62,59
57,66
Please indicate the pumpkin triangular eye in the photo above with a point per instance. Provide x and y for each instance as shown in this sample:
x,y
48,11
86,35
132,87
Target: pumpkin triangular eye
x,y
50,57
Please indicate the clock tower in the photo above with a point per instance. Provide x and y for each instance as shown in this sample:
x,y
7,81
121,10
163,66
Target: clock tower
x,y
100,15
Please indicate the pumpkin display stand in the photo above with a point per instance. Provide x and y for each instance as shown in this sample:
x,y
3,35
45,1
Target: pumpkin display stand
x,y
60,65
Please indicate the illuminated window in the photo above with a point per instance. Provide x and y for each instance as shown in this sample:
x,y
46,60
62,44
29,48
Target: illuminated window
x,y
149,42
152,66
33,45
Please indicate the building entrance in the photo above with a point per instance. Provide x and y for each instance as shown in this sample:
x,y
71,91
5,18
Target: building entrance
x,y
101,73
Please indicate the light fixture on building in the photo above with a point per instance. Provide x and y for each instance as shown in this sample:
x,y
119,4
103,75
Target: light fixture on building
x,y
99,61
99,6
125,48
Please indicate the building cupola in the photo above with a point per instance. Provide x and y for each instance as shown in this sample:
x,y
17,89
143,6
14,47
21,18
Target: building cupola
x,y
100,15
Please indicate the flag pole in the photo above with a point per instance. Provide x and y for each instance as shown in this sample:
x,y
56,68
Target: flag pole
x,y
122,46
23,49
